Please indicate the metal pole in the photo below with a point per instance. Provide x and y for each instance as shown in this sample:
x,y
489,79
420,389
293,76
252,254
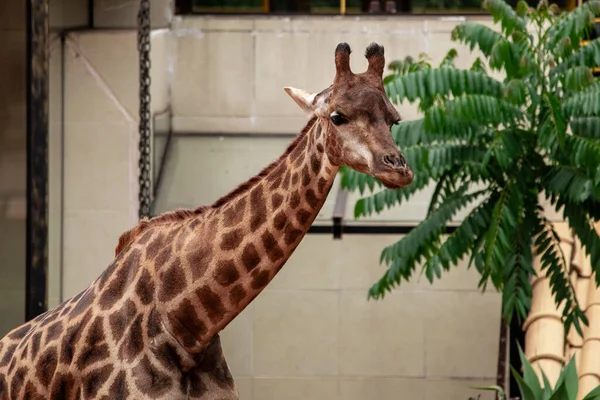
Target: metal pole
x,y
145,194
37,158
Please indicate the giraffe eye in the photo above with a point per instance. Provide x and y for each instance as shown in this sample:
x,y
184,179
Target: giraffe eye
x,y
337,119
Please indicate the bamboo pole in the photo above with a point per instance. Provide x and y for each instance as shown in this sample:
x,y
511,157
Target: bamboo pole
x,y
589,362
544,332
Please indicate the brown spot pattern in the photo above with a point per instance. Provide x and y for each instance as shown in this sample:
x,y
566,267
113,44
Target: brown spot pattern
x,y
291,234
303,216
199,257
311,199
276,183
235,214
63,387
280,220
321,185
46,366
260,280
133,343
83,303
258,208
71,338
237,294
18,380
271,246
163,257
232,239
119,320
211,303
286,180
188,321
226,273
167,356
276,200
120,281
96,349
35,344
118,389
150,380
93,381
144,288
250,257
277,173
305,176
8,354
53,331
32,393
295,200
171,281
315,163
19,333
196,387
154,246
320,148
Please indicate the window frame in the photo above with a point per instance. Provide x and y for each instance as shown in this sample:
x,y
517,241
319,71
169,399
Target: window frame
x,y
185,7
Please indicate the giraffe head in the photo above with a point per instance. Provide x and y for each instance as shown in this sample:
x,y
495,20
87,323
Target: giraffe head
x,y
357,117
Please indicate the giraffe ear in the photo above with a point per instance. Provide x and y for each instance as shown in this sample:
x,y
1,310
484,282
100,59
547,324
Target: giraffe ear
x,y
302,98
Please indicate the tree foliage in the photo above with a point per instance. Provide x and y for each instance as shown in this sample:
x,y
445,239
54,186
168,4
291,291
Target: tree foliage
x,y
502,147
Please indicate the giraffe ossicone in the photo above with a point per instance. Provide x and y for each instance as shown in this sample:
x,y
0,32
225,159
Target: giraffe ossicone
x,y
148,327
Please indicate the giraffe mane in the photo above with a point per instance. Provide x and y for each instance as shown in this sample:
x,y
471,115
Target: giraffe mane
x,y
144,224
182,214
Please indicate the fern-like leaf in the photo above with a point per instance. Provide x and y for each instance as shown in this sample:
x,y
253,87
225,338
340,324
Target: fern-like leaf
x,y
588,127
431,83
500,52
577,78
480,109
569,182
448,61
584,103
557,269
571,26
553,124
402,256
508,17
463,238
586,56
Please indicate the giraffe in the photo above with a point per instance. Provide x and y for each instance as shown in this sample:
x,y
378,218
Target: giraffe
x,y
148,326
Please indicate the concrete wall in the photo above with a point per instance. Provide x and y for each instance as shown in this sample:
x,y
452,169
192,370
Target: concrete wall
x,y
12,164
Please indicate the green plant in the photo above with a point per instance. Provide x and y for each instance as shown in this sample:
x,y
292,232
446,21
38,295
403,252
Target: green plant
x,y
502,146
566,388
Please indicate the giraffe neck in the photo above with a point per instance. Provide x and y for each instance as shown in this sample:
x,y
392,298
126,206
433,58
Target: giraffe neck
x,y
234,250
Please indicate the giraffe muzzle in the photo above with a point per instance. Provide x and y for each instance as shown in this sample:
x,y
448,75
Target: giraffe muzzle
x,y
395,172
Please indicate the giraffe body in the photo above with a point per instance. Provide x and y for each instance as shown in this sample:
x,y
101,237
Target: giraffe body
x,y
148,327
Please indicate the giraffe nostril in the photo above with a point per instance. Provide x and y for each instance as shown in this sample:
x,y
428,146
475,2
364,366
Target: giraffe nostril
x,y
401,163
391,160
